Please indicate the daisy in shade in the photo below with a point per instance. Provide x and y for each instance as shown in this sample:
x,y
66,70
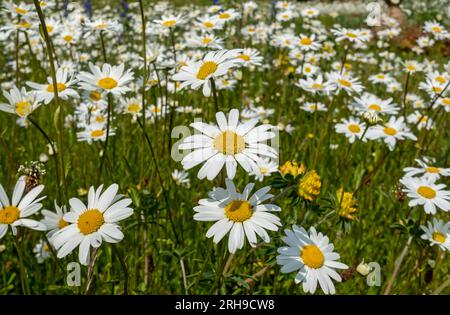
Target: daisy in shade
x,y
437,233
90,225
111,79
395,129
46,92
248,56
228,144
312,255
21,102
344,82
426,193
16,212
54,221
170,21
427,170
352,128
369,102
213,65
244,215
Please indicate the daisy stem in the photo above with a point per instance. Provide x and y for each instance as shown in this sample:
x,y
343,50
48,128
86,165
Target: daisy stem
x,y
49,141
205,262
344,60
120,256
214,91
59,109
108,127
102,41
404,95
172,41
17,58
90,272
23,271
398,265
220,271
161,183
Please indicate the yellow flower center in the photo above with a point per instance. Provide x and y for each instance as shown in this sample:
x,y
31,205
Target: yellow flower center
x,y
68,38
244,57
375,107
207,40
134,108
437,89
90,221
436,29
317,86
50,29
380,76
354,128
23,25
351,35
390,131
439,237
312,256
229,143
345,83
306,41
100,119
169,23
225,15
208,24
239,210
285,16
446,101
206,69
440,79
101,26
411,67
107,83
310,12
23,108
60,86
62,223
95,96
97,133
426,192
21,11
9,215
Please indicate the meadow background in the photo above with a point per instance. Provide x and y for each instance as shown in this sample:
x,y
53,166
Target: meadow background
x,y
176,258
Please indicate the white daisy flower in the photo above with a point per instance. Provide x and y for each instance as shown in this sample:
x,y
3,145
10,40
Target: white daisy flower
x,y
427,170
437,233
92,224
227,144
170,21
369,102
243,215
213,65
46,92
315,85
352,128
16,212
42,251
181,178
307,43
248,56
344,82
111,79
351,35
313,257
21,102
312,107
425,192
95,132
266,168
395,129
422,121
54,221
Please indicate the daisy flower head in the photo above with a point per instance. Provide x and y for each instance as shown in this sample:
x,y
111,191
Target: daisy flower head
x,y
210,23
42,251
350,35
132,106
227,15
352,128
344,82
20,102
243,215
286,15
170,21
308,42
312,256
248,57
206,40
310,12
228,143
312,107
181,178
422,120
110,79
23,204
213,65
46,92
435,29
412,66
437,233
266,168
427,170
426,193
395,129
102,25
91,224
369,102
315,85
94,132
21,9
54,221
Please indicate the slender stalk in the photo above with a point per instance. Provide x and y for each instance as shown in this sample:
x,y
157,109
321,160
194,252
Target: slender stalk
x,y
23,271
205,262
398,264
59,109
183,271
124,268
108,128
214,91
17,58
219,273
90,272
404,95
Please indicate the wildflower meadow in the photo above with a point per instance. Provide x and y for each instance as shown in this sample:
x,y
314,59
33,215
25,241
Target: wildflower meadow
x,y
224,147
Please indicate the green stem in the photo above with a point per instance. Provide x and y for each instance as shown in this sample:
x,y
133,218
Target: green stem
x,y
23,271
124,268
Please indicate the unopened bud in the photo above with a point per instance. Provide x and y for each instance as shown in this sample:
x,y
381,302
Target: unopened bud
x,y
363,269
372,117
